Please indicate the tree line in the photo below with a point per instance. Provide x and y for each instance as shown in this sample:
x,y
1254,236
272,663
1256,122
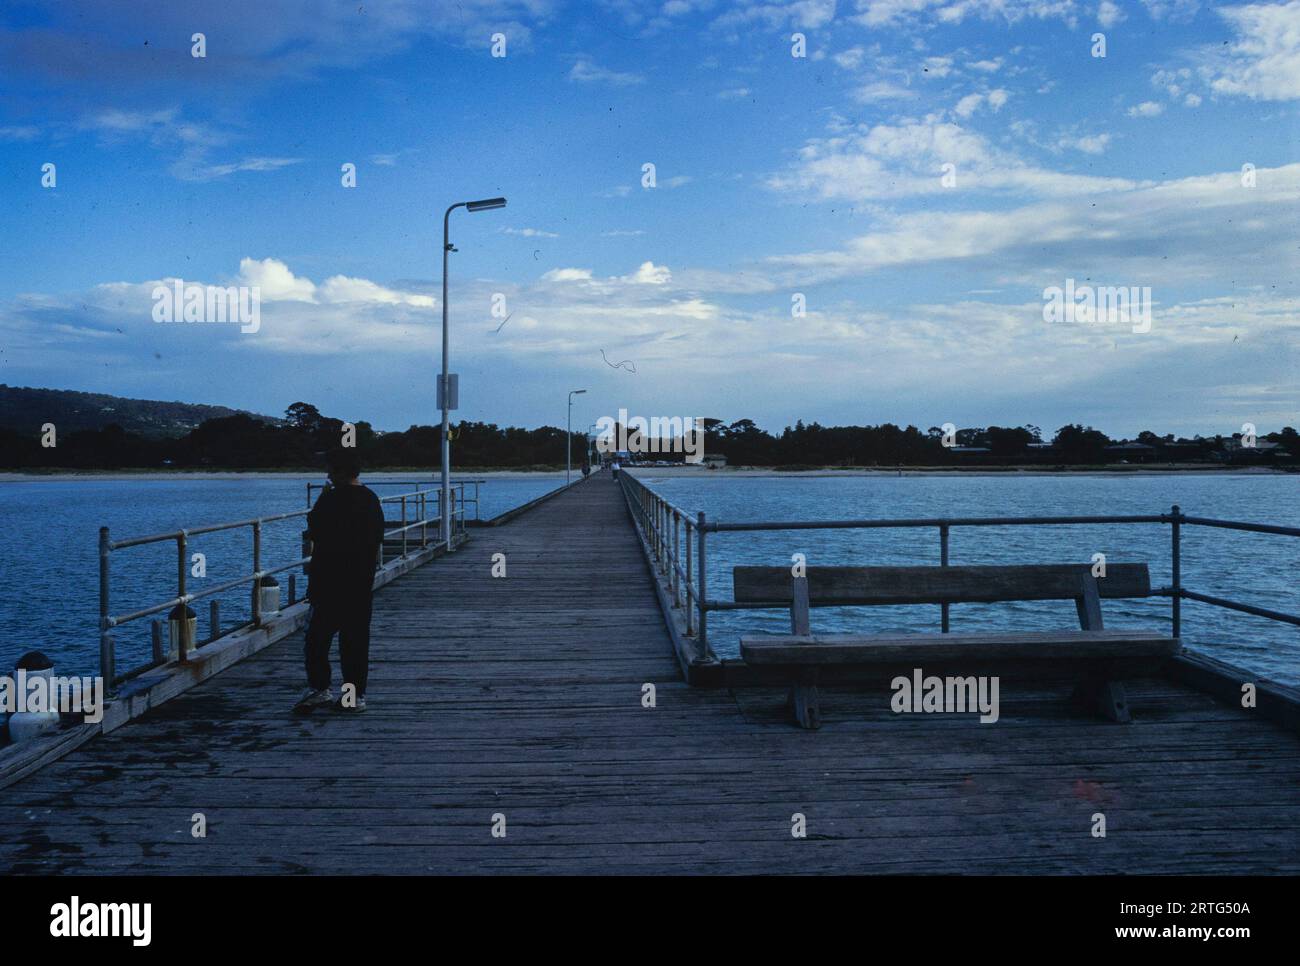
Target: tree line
x,y
302,438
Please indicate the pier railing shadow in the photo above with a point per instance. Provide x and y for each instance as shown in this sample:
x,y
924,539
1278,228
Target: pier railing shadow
x,y
676,545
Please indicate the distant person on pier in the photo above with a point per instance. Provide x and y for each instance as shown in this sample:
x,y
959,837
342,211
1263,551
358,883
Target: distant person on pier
x,y
613,467
346,528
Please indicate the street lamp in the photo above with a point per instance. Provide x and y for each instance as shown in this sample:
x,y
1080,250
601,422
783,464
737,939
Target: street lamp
x,y
568,435
444,388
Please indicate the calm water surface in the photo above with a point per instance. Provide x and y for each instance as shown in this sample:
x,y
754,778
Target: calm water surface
x,y
49,552
1259,569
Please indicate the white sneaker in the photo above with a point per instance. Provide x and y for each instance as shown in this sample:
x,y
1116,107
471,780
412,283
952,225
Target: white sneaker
x,y
312,699
358,705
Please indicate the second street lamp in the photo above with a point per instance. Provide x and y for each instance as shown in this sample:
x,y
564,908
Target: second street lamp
x,y
444,389
568,435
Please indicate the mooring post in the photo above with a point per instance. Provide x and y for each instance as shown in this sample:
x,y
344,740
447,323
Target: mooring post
x,y
943,562
1177,554
214,614
156,636
106,670
293,588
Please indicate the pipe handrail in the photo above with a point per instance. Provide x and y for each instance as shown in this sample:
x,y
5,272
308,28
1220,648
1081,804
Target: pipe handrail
x,y
650,510
416,501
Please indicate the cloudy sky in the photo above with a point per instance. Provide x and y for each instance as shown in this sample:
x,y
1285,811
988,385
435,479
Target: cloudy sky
x,y
914,182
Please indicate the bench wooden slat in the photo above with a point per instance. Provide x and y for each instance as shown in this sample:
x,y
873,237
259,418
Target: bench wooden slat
x,y
824,649
828,586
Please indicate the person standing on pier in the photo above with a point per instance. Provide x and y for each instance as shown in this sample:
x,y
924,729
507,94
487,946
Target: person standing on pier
x,y
346,528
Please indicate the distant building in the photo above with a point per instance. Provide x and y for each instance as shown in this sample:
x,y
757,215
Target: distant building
x,y
1131,452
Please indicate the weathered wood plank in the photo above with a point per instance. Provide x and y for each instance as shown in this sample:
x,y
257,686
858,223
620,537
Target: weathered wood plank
x,y
839,586
824,649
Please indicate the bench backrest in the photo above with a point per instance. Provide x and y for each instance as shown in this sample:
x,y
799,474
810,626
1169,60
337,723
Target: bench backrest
x,y
838,586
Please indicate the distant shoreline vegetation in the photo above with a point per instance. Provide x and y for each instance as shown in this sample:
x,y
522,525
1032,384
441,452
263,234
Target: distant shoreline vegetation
x,y
95,441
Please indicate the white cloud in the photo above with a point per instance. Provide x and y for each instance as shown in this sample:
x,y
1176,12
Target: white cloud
x,y
567,275
529,232
648,273
1088,143
881,90
907,158
341,288
1172,232
937,66
1146,109
1110,13
586,72
276,281
1263,62
877,13
1176,10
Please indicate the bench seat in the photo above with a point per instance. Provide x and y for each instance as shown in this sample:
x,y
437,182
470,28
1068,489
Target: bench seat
x,y
791,651
1098,659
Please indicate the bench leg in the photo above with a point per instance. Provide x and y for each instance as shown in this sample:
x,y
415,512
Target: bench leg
x,y
1103,696
804,700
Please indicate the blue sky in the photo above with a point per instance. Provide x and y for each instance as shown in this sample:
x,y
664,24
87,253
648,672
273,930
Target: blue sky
x,y
776,175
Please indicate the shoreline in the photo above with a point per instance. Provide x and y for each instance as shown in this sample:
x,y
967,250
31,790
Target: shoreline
x,y
426,475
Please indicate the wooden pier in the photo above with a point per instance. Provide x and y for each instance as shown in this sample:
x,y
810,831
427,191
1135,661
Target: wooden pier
x,y
522,697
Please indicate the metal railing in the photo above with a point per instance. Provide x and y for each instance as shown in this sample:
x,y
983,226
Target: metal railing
x,y
414,508
671,554
420,486
659,521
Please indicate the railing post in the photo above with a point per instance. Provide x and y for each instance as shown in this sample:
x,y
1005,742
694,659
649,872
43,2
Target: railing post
x,y
659,532
424,521
257,573
183,627
703,594
690,573
403,526
293,588
943,562
106,669
672,569
1176,599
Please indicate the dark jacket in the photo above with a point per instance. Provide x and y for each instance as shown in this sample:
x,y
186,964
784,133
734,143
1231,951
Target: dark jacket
x,y
346,527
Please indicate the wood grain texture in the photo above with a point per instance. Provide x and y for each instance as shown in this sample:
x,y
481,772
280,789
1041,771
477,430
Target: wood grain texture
x,y
523,696
839,586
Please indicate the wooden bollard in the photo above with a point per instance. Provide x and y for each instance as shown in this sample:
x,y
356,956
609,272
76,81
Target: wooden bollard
x,y
214,619
293,588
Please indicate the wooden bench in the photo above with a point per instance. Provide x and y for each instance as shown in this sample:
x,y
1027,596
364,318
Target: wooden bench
x,y
1097,657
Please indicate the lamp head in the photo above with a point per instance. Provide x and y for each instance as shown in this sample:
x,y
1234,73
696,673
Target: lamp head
x,y
485,204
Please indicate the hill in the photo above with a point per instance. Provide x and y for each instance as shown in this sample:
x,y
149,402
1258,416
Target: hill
x,y
24,409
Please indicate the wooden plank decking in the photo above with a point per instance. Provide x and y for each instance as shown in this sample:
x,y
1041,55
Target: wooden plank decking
x,y
522,696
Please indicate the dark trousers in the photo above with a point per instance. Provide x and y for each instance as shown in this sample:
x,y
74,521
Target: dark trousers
x,y
347,615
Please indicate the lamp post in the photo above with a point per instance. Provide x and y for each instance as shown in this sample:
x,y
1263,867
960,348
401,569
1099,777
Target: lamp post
x,y
444,389
568,435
